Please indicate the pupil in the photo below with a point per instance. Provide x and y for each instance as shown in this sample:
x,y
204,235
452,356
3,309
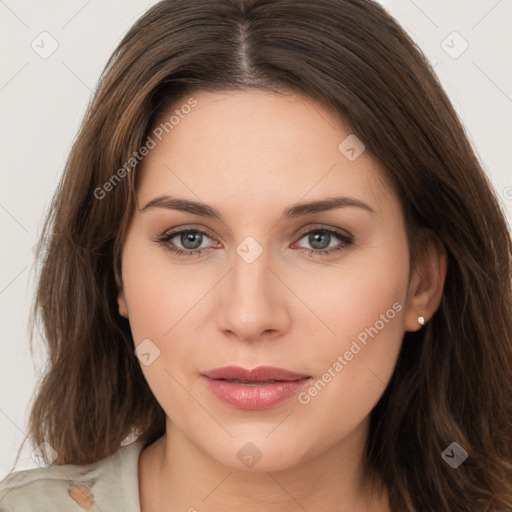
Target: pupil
x,y
317,237
191,237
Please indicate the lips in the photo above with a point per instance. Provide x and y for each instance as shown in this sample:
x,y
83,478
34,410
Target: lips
x,y
258,388
259,374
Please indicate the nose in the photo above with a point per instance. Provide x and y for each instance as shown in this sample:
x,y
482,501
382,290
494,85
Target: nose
x,y
253,304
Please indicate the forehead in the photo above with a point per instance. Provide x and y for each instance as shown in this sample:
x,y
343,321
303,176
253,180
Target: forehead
x,y
255,145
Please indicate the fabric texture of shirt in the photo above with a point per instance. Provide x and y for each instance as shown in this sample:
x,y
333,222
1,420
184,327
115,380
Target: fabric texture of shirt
x,y
109,485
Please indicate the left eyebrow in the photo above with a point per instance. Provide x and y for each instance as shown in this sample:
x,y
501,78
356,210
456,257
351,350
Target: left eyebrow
x,y
324,205
298,210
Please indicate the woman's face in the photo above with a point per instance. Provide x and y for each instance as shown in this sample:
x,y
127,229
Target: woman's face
x,y
272,272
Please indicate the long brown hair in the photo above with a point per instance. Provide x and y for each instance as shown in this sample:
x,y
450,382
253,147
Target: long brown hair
x,y
452,382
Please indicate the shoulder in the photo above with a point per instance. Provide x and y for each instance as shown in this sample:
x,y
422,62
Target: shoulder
x,y
110,483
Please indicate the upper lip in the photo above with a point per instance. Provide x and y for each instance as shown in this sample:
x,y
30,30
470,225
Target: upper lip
x,y
258,374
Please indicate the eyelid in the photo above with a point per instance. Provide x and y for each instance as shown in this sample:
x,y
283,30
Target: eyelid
x,y
322,227
187,227
345,239
201,229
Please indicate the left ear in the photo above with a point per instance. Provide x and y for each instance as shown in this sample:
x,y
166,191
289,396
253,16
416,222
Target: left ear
x,y
427,281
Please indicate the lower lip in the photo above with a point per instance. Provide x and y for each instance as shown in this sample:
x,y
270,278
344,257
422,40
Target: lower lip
x,y
255,396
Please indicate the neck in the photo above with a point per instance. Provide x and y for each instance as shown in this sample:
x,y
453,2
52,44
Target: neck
x,y
174,472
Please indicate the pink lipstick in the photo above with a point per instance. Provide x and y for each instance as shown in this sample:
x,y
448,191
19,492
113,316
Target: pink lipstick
x,y
260,388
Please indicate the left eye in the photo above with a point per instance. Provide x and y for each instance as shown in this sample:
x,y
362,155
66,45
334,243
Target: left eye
x,y
191,242
320,239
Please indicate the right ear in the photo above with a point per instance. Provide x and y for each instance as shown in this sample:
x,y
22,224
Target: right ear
x,y
121,298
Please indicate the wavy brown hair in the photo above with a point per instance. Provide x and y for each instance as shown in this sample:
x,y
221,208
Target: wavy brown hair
x,y
452,381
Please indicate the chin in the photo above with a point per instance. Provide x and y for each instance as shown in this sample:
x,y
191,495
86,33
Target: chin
x,y
259,453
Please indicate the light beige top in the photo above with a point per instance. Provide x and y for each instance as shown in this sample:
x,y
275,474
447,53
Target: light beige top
x,y
111,484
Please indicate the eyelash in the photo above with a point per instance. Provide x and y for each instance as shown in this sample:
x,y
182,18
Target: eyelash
x,y
345,241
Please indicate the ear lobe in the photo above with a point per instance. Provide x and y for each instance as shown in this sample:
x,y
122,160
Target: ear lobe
x,y
121,298
123,306
427,281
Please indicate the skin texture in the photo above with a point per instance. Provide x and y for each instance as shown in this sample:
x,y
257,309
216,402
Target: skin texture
x,y
250,155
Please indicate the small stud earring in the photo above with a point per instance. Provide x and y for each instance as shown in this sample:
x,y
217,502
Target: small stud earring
x,y
421,320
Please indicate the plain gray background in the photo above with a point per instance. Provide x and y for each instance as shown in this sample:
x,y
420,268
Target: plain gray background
x,y
43,98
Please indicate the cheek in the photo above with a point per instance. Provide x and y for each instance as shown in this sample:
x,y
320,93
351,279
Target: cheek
x,y
160,294
364,294
163,304
353,361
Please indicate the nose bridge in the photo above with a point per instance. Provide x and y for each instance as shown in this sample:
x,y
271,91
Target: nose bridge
x,y
252,301
249,277
249,283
